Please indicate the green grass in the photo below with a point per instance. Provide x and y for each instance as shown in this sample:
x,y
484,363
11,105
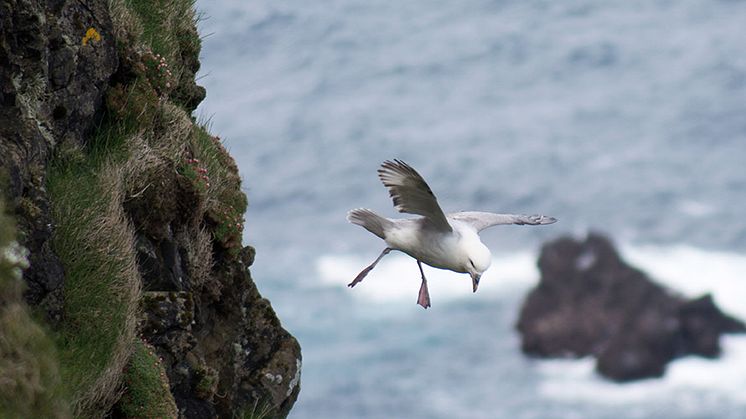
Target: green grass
x,y
94,312
94,245
153,14
163,24
147,393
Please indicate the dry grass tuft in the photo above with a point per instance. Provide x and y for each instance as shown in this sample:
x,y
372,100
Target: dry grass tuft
x,y
127,27
171,136
199,251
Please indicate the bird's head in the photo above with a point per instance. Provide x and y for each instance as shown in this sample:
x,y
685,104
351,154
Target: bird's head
x,y
478,259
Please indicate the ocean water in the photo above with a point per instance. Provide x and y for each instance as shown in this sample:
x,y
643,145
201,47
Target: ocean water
x,y
626,117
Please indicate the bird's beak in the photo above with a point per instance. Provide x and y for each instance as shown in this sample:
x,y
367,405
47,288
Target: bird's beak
x,y
475,280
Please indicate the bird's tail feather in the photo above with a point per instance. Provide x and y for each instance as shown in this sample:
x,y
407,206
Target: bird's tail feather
x,y
370,220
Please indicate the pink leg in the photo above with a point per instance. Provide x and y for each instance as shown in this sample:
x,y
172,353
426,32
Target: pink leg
x,y
365,271
423,298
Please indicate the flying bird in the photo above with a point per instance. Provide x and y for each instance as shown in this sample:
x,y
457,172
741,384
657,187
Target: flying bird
x,y
445,241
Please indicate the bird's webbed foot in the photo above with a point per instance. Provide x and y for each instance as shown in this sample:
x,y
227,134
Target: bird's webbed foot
x,y
365,271
423,297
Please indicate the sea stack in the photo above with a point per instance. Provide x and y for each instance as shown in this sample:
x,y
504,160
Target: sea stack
x,y
589,302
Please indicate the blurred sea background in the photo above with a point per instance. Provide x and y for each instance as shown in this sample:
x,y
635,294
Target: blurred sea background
x,y
626,117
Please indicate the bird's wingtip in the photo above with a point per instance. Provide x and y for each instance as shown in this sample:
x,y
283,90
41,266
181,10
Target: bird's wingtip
x,y
351,213
538,219
390,164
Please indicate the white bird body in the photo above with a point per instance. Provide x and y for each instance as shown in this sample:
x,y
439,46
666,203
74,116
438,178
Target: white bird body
x,y
450,250
436,239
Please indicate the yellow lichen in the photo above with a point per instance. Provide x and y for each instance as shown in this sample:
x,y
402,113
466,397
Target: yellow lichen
x,y
91,35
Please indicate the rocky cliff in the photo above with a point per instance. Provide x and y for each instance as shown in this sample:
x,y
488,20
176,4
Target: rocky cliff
x,y
132,216
589,302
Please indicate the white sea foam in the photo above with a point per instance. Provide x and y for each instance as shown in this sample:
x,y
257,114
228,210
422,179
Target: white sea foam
x,y
705,379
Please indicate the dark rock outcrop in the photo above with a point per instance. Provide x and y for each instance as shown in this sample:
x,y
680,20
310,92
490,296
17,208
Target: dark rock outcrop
x,y
220,341
589,302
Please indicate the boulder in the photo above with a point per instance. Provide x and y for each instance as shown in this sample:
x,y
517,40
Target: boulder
x,y
589,302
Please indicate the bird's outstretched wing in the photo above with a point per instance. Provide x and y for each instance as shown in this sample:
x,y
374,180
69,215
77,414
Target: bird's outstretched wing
x,y
411,194
482,220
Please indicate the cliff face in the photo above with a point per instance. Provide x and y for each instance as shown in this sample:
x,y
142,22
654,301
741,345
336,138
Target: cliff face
x,y
132,214
50,89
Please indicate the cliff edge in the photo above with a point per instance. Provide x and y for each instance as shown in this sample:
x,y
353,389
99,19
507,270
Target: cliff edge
x,y
129,215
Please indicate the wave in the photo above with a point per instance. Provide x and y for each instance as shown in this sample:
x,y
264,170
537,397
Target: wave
x,y
694,379
687,270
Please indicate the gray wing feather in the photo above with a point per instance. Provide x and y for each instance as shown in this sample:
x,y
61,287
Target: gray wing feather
x,y
482,220
411,194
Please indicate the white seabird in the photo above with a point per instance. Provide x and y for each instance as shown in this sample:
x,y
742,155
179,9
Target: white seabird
x,y
442,241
